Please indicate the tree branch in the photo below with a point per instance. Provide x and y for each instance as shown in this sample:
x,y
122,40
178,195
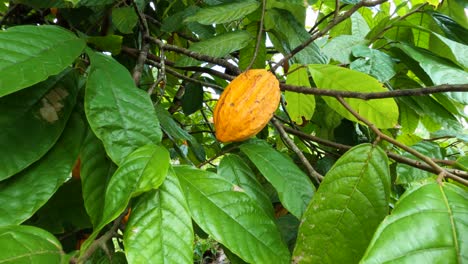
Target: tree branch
x,y
377,95
138,69
259,37
313,174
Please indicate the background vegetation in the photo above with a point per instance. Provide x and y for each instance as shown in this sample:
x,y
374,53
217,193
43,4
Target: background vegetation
x,y
108,152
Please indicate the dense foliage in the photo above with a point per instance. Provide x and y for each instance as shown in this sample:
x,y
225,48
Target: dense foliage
x,y
108,151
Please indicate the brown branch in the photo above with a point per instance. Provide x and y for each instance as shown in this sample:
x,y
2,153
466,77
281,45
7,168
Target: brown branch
x,y
408,161
138,69
439,170
377,95
198,56
321,33
313,174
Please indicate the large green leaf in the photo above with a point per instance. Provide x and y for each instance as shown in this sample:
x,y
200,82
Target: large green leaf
x,y
23,194
349,205
124,19
223,13
458,52
28,244
383,113
408,174
30,54
373,62
143,170
231,217
294,188
299,106
429,224
339,48
120,114
160,227
291,34
218,46
33,119
236,171
96,171
439,70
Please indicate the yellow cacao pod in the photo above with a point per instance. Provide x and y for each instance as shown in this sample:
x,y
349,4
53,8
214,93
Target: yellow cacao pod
x,y
246,105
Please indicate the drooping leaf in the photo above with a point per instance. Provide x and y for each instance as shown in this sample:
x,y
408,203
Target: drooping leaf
x,y
96,170
124,19
160,227
439,70
383,113
231,217
120,114
143,170
237,172
450,27
430,224
192,100
408,174
290,33
223,13
299,105
294,188
373,62
30,54
64,212
218,46
339,48
349,205
458,52
44,108
29,244
23,194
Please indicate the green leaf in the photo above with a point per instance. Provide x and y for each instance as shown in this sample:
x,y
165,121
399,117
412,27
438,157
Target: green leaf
x,y
246,54
359,26
373,62
231,217
160,227
96,171
408,174
451,28
28,244
218,46
430,224
293,186
44,109
299,105
383,113
192,100
124,19
30,54
223,13
143,170
64,212
120,114
291,34
237,172
111,43
349,205
339,48
462,162
458,52
23,194
439,70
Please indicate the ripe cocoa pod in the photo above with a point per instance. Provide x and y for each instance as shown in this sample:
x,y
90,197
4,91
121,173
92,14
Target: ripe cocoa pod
x,y
246,105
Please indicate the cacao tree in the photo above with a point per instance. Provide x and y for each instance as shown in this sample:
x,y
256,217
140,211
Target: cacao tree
x,y
108,148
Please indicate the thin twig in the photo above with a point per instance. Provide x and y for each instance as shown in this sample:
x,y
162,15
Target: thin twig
x,y
259,37
440,171
313,174
377,95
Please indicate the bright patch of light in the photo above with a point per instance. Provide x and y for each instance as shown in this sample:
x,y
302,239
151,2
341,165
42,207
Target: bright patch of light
x,y
107,53
311,17
55,20
152,6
